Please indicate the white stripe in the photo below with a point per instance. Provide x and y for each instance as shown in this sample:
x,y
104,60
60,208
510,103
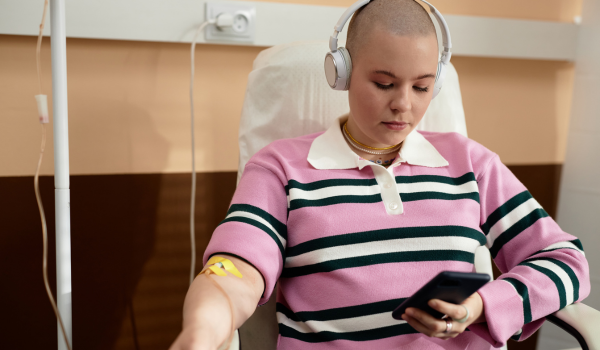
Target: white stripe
x,y
510,219
519,332
248,215
515,288
566,280
332,191
467,187
563,245
382,247
344,325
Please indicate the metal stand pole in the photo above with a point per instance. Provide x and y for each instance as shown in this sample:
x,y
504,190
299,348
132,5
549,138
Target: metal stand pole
x,y
61,168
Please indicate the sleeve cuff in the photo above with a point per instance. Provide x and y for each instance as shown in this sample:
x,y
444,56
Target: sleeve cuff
x,y
503,310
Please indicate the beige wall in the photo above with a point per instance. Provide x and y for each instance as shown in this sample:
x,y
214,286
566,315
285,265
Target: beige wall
x,y
545,10
129,101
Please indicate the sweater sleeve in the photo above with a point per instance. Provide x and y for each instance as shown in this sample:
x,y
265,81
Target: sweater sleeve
x,y
543,268
255,226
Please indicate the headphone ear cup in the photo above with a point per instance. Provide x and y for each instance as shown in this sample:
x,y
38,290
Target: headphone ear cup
x,y
439,79
338,67
347,65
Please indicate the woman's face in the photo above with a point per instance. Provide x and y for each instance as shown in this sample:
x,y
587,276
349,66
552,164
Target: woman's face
x,y
391,86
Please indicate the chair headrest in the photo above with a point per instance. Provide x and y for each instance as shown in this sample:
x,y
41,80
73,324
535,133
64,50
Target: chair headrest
x,y
288,96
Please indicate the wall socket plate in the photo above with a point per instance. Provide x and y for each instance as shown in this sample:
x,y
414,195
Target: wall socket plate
x,y
244,22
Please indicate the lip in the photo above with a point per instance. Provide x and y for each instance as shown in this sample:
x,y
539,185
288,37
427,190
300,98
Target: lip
x,y
395,125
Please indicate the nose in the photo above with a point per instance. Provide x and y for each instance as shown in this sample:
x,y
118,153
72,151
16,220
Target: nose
x,y
401,101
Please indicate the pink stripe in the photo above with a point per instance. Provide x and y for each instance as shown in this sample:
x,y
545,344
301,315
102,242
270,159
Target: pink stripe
x,y
356,286
262,188
310,223
467,340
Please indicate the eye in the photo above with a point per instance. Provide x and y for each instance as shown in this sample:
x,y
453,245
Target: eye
x,y
384,87
420,89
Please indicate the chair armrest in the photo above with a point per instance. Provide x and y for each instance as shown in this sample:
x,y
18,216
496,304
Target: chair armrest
x,y
235,342
582,322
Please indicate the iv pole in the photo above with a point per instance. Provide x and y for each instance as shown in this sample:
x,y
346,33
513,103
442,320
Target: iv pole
x,y
61,169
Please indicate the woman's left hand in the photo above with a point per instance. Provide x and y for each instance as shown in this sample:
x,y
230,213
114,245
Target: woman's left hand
x,y
435,327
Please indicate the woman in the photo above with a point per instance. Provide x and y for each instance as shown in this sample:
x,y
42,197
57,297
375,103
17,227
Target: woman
x,y
353,220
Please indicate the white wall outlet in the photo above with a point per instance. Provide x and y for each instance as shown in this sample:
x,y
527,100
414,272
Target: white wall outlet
x,y
244,22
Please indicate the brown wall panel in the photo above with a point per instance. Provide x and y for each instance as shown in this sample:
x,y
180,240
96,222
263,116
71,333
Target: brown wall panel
x,y
130,241
130,246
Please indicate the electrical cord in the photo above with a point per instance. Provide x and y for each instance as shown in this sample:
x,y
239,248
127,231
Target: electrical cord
x,y
44,119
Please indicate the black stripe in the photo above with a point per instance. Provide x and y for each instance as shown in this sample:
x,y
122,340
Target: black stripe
x,y
560,287
524,292
577,243
260,226
422,255
567,269
515,229
456,181
311,186
417,196
516,336
553,249
385,234
342,312
375,198
301,203
280,227
504,209
366,335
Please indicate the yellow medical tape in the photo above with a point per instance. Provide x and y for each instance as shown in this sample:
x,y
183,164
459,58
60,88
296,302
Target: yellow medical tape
x,y
216,264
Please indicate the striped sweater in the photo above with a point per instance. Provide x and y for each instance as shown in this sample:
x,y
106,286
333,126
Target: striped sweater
x,y
348,240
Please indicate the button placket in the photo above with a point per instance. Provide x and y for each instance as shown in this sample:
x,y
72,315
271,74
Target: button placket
x,y
389,192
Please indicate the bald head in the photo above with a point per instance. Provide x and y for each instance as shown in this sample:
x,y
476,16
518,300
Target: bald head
x,y
400,17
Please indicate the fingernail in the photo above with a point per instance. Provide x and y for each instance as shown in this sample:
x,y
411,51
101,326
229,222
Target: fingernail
x,y
404,317
409,312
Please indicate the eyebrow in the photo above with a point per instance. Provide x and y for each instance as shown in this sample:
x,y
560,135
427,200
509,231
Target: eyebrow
x,y
391,75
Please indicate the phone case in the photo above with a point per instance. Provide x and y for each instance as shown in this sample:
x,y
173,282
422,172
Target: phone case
x,y
450,286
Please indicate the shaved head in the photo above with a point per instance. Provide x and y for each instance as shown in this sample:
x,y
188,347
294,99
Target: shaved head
x,y
399,17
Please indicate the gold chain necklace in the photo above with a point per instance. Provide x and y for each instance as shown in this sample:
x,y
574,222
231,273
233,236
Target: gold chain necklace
x,y
368,149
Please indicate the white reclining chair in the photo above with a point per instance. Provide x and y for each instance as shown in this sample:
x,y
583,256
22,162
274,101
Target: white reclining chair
x,y
287,96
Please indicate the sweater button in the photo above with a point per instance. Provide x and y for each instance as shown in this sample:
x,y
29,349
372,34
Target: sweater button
x,y
387,185
393,206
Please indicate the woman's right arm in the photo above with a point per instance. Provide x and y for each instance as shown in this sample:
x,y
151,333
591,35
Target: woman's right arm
x,y
206,312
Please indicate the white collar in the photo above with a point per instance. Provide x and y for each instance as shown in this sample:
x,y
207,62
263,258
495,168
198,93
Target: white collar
x,y
330,151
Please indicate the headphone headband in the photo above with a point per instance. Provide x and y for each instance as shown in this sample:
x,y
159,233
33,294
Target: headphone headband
x,y
338,63
446,39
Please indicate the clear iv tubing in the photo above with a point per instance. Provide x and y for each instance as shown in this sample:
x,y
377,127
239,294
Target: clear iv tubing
x,y
193,194
36,185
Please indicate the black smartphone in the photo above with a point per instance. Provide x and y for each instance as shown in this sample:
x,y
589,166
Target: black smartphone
x,y
450,286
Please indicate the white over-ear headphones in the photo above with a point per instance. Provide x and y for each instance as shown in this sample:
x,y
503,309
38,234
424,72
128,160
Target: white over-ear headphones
x,y
338,64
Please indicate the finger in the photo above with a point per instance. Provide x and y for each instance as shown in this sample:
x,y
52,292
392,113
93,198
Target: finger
x,y
433,324
454,311
418,326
